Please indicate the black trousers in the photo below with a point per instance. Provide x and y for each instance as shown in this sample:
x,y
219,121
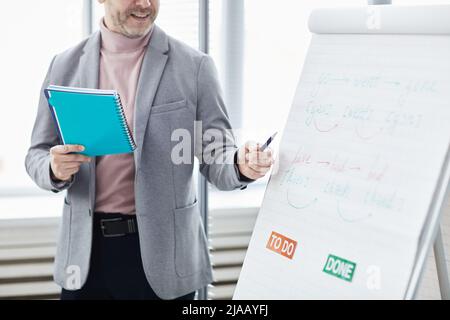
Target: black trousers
x,y
116,271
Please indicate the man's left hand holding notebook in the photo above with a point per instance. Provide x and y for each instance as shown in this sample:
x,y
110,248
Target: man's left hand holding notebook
x,y
64,163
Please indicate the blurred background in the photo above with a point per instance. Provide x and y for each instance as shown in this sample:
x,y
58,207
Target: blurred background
x,y
254,43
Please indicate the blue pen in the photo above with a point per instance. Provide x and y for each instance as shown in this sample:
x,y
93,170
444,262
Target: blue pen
x,y
268,142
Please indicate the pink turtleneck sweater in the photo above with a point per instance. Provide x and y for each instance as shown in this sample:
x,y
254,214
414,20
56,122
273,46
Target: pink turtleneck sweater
x,y
120,65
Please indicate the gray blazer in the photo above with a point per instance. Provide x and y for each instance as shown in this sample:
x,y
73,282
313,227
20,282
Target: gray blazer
x,y
177,86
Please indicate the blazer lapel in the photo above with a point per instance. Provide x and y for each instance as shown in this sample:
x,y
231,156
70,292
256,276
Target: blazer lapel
x,y
89,78
90,63
152,69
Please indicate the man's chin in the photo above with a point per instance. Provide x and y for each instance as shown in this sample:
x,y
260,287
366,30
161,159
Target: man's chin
x,y
137,32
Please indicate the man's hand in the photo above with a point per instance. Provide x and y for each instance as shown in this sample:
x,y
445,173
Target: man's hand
x,y
64,164
253,163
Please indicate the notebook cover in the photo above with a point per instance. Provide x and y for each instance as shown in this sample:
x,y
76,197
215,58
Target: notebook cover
x,y
91,120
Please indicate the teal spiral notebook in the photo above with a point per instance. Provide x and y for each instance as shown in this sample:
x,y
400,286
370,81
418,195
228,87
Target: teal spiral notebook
x,y
92,118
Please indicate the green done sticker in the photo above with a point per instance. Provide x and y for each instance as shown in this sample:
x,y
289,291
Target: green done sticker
x,y
340,268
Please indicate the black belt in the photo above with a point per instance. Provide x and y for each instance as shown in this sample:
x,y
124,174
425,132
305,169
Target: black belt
x,y
118,227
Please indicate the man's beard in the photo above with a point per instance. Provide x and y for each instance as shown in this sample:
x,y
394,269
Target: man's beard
x,y
121,22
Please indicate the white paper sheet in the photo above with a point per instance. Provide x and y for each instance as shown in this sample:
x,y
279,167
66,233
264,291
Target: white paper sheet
x,y
359,160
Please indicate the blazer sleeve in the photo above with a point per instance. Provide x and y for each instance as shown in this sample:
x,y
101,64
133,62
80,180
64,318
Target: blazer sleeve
x,y
43,137
216,156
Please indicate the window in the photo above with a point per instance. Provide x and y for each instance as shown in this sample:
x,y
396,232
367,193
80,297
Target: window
x,y
45,28
28,46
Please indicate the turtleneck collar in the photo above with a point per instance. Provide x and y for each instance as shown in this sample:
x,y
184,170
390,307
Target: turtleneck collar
x,y
118,43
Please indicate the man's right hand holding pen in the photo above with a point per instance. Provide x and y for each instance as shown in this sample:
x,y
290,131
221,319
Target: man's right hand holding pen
x,y
255,160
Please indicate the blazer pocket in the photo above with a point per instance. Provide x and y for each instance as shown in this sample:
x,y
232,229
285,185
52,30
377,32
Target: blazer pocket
x,y
189,243
169,107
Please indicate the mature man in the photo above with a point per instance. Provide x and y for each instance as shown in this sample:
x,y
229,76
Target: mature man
x,y
131,227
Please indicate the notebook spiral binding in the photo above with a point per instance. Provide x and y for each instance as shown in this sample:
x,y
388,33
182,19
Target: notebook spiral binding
x,y
122,119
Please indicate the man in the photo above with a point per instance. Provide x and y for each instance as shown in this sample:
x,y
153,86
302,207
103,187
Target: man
x,y
131,227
